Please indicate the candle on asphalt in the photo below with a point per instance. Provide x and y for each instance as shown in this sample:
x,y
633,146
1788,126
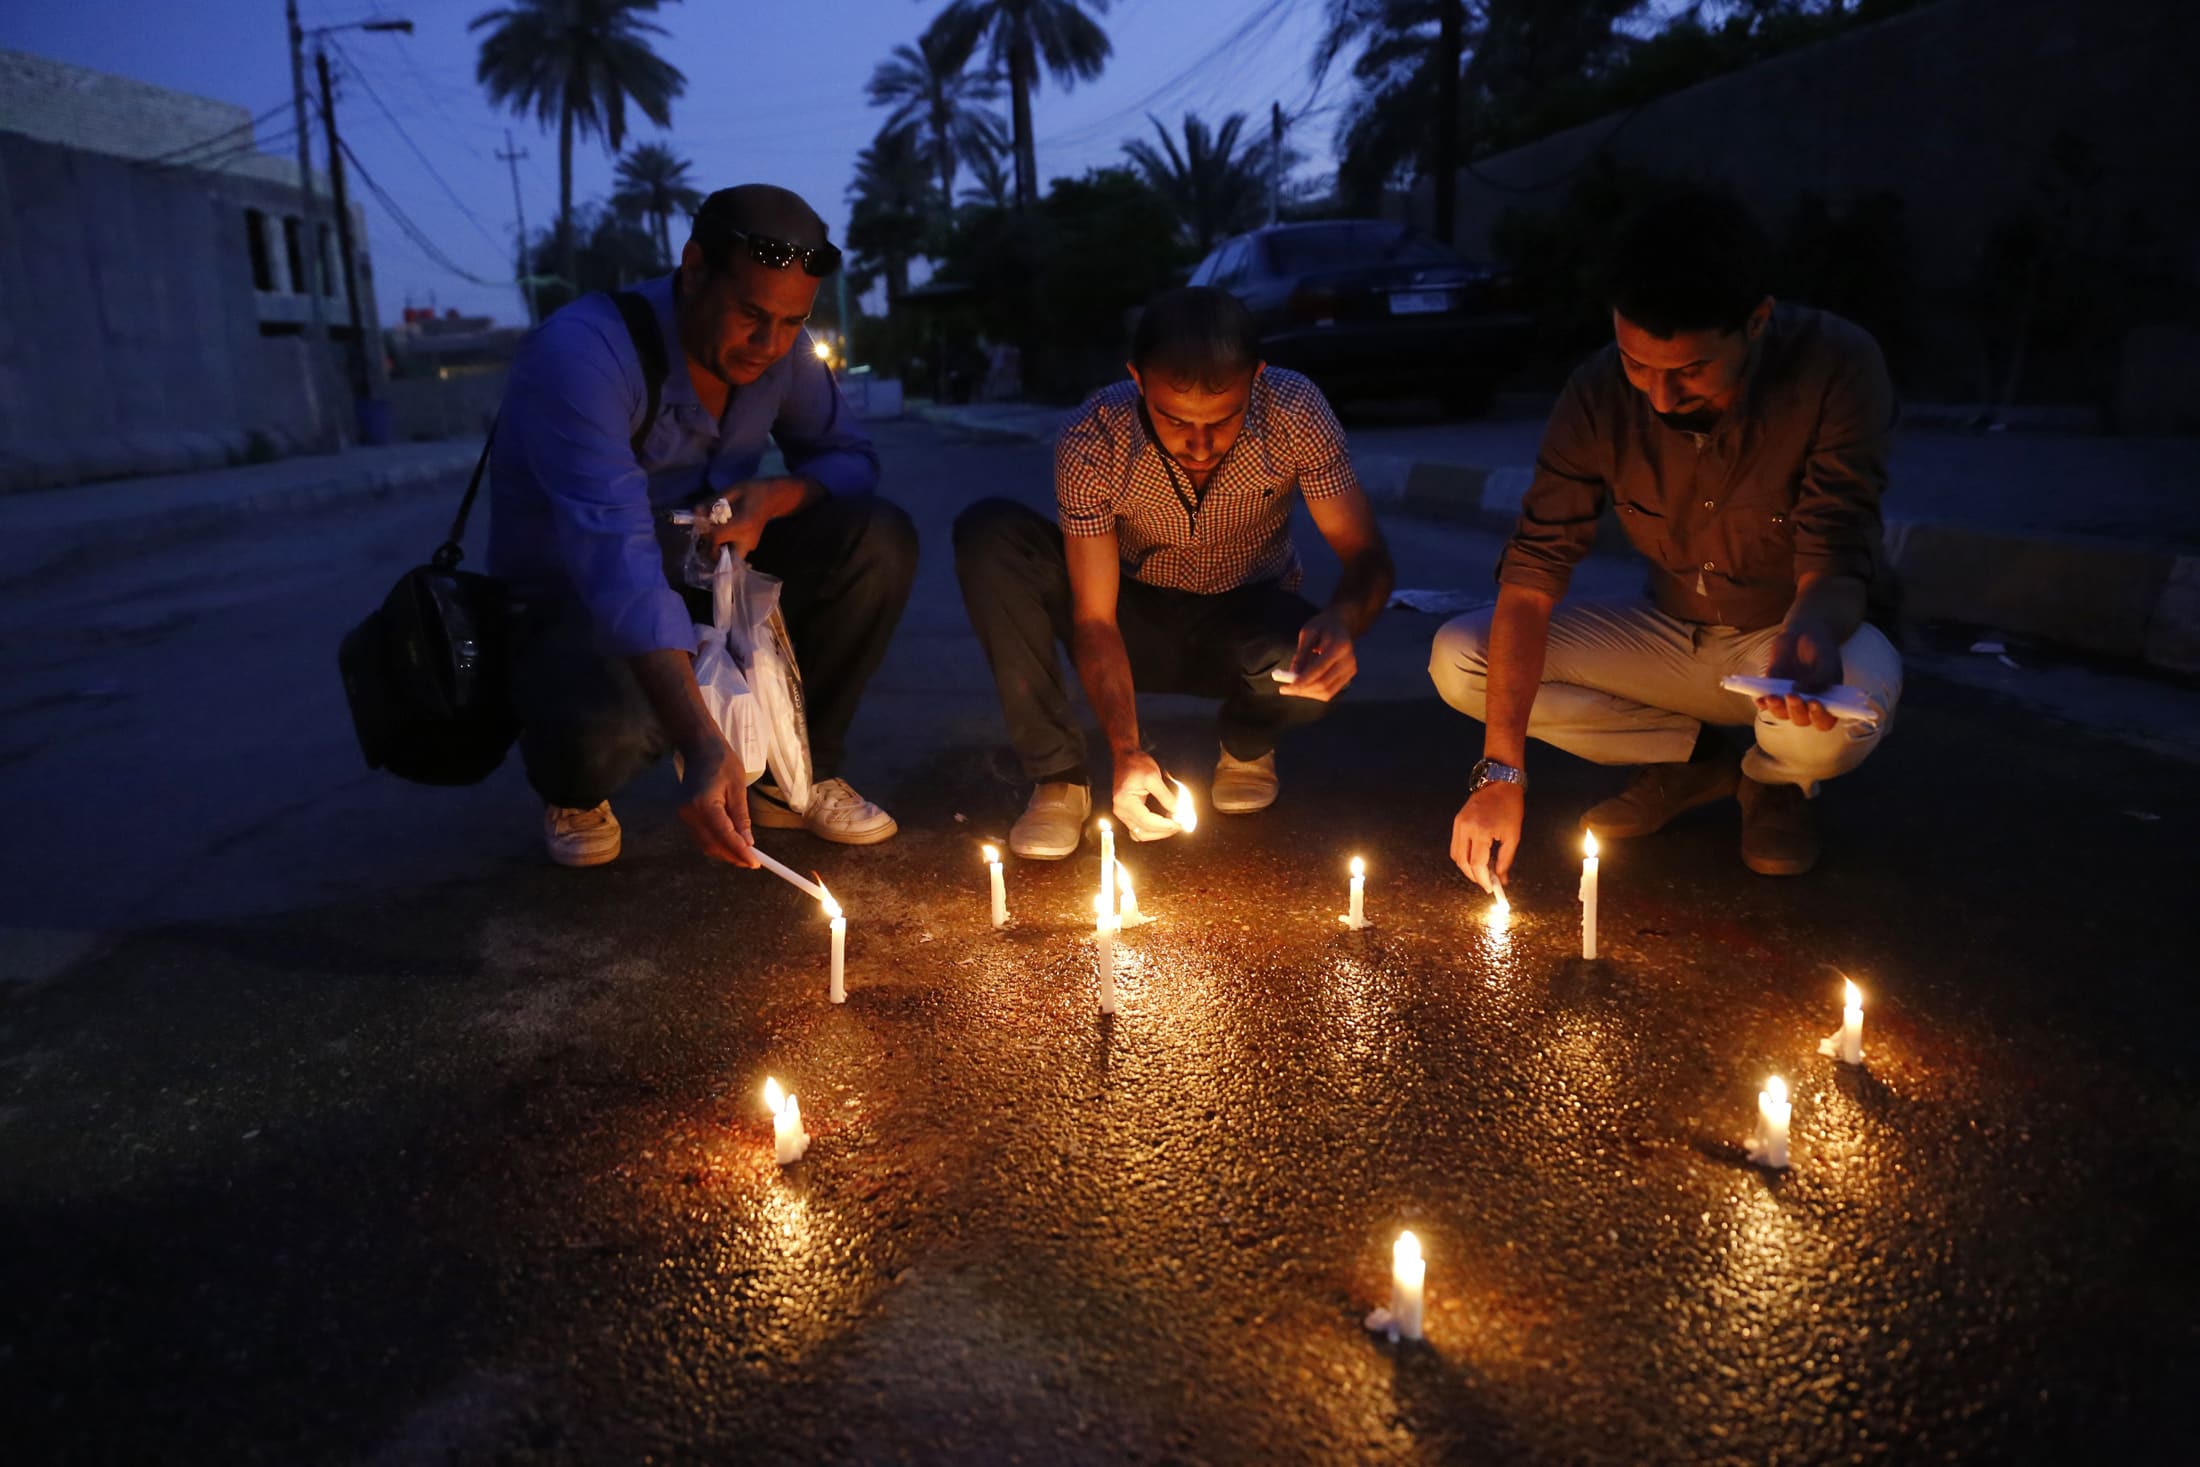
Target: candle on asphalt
x,y
1103,939
1770,1147
1408,1272
788,1139
838,992
1000,888
1589,896
1126,911
1356,919
1107,865
1848,1045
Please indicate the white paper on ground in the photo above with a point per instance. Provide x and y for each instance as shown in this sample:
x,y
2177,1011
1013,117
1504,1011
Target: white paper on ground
x,y
1845,703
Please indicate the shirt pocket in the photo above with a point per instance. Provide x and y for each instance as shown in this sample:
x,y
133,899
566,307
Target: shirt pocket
x,y
1649,530
1757,531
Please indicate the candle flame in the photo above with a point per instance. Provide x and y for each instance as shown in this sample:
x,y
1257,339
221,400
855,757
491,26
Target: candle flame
x,y
1589,845
1187,818
1123,881
1776,1090
774,1097
832,908
1854,999
1407,1250
992,856
1104,823
1359,868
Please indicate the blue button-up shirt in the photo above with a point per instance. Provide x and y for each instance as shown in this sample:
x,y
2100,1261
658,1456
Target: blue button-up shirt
x,y
573,510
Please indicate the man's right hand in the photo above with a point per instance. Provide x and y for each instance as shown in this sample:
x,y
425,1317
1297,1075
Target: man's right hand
x,y
1138,778
1491,816
714,803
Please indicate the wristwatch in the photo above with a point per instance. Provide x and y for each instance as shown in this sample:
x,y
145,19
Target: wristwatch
x,y
1489,771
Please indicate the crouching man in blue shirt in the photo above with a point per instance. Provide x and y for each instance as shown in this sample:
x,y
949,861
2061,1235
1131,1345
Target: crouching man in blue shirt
x,y
604,678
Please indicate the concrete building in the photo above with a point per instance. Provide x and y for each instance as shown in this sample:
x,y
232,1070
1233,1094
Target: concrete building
x,y
153,284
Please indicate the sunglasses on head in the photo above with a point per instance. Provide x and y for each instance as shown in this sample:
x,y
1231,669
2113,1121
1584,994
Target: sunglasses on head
x,y
777,254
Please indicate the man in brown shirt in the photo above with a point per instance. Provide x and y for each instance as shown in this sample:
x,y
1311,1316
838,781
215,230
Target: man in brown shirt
x,y
1744,447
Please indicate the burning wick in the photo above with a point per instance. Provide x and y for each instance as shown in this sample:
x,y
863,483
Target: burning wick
x,y
1848,1045
789,1140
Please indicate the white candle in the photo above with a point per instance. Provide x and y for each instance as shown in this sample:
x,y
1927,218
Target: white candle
x,y
1501,911
1000,888
1852,1028
837,990
1770,1148
1126,911
788,1139
1408,1272
1107,865
1187,818
1356,919
1589,896
1103,937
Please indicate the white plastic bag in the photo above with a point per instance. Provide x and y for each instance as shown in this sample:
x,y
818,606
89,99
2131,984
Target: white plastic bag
x,y
745,666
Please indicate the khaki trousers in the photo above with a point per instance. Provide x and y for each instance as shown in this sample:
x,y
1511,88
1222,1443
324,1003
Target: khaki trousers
x,y
1623,683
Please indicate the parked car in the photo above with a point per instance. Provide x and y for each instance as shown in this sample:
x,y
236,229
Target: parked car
x,y
1368,308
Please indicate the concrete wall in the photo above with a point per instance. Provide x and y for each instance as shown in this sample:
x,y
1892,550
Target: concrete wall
x,y
459,406
1954,107
131,335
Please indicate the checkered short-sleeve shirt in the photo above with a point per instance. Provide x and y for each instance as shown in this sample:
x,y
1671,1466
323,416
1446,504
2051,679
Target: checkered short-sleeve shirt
x,y
1110,474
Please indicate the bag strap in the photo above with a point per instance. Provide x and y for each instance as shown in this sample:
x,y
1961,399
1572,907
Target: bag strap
x,y
649,345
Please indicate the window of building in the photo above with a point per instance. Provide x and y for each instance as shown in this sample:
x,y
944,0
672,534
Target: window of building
x,y
331,276
255,238
294,249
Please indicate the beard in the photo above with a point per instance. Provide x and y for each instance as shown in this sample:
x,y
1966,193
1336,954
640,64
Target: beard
x,y
1701,420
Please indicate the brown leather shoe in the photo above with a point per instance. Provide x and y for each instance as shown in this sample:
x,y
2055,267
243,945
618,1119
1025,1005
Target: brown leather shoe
x,y
1779,831
1658,792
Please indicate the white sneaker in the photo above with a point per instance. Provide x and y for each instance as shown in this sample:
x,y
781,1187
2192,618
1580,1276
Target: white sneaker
x,y
1243,785
581,837
1053,823
836,813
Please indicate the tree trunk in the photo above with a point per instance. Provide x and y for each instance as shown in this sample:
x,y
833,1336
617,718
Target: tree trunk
x,y
1021,65
897,278
664,237
1448,47
568,258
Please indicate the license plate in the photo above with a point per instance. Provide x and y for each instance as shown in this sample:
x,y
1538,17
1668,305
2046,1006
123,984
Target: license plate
x,y
1418,302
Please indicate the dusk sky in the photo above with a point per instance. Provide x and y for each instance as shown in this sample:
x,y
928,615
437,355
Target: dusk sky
x,y
775,93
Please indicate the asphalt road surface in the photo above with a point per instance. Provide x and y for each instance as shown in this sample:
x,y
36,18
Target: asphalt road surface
x,y
336,1126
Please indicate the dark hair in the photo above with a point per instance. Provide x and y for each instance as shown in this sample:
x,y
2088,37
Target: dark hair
x,y
754,208
1693,261
1196,336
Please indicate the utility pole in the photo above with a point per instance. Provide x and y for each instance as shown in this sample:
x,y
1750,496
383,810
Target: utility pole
x,y
361,378
310,254
1448,48
511,156
1275,162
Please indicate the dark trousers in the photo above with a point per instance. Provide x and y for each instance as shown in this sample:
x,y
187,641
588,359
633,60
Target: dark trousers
x,y
587,727
1015,585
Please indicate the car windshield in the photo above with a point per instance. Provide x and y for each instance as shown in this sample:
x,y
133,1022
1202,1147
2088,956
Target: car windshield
x,y
1351,242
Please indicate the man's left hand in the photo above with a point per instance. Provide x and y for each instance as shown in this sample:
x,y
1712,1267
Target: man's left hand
x,y
754,503
1807,653
1325,664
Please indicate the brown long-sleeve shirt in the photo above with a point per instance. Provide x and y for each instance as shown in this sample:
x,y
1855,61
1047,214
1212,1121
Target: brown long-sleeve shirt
x,y
1788,482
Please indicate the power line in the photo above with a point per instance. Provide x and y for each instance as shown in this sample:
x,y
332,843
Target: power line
x,y
353,68
223,139
412,231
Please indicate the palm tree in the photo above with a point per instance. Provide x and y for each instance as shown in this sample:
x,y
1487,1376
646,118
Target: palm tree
x,y
652,183
929,86
994,187
887,222
1214,188
578,62
1021,36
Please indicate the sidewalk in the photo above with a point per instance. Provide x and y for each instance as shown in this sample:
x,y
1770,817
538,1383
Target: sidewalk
x,y
2085,541
51,529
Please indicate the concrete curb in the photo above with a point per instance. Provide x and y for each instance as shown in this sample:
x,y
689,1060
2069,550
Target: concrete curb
x,y
33,551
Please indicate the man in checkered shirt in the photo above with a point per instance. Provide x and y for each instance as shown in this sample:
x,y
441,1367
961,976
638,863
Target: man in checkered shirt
x,y
1172,571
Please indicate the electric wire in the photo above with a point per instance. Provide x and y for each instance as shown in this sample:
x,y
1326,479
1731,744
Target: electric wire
x,y
352,68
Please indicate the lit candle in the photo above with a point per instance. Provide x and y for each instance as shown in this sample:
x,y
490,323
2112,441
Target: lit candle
x,y
1589,896
1126,912
1187,818
788,1139
1356,919
1848,1045
1408,1272
1501,909
1107,865
1770,1148
1000,888
838,992
1103,936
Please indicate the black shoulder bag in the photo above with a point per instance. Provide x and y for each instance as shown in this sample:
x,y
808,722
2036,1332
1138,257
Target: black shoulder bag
x,y
428,672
